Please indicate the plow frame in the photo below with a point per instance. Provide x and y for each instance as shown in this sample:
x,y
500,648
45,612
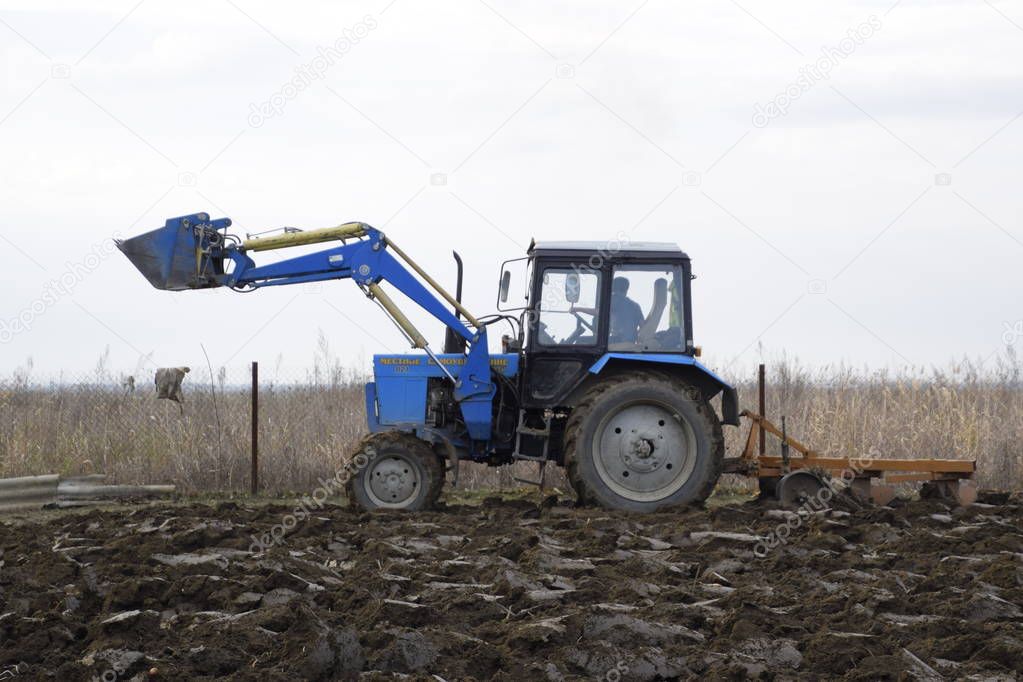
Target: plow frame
x,y
948,478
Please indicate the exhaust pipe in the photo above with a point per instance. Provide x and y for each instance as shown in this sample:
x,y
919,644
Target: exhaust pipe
x,y
454,343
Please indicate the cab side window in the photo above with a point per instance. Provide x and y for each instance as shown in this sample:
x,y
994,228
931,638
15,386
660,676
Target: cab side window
x,y
646,309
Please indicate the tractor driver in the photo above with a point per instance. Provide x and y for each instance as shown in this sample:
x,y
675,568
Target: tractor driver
x,y
626,315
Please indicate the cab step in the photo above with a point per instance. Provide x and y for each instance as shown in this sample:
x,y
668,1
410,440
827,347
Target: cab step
x,y
541,461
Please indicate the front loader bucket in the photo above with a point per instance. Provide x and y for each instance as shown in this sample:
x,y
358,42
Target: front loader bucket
x,y
176,256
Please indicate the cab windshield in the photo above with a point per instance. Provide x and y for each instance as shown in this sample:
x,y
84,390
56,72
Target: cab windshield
x,y
569,307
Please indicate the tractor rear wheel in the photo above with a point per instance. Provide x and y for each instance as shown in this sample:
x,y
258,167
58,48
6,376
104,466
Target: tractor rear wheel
x,y
641,442
395,470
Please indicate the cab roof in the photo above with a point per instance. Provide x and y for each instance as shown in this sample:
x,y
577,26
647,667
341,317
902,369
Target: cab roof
x,y
610,248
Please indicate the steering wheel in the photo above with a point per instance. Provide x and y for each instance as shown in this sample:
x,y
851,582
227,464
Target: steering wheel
x,y
580,322
581,327
545,337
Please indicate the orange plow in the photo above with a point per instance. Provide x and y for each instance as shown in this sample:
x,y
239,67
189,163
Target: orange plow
x,y
794,476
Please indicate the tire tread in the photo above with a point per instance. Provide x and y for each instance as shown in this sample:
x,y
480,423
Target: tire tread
x,y
582,409
406,441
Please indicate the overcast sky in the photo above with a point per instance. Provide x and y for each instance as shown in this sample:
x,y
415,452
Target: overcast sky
x,y
845,176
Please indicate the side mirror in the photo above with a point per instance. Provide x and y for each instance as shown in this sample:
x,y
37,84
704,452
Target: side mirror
x,y
572,288
505,285
522,276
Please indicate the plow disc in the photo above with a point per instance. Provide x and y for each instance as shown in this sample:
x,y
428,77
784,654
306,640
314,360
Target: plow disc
x,y
799,488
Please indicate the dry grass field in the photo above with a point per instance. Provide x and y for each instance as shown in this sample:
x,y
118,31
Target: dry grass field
x,y
309,422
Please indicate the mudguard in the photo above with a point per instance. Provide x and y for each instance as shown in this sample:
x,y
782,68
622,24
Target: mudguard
x,y
708,382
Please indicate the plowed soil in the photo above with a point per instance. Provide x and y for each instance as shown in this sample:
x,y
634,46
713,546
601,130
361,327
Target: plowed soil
x,y
513,590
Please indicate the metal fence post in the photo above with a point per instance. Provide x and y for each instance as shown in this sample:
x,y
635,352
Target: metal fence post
x,y
762,407
255,428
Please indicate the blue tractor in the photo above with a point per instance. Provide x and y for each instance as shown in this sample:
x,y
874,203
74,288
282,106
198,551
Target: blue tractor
x,y
597,374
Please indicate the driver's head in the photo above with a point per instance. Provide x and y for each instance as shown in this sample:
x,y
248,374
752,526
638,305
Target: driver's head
x,y
619,286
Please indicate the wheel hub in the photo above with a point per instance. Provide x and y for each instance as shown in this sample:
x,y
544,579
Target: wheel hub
x,y
642,448
638,453
392,481
644,451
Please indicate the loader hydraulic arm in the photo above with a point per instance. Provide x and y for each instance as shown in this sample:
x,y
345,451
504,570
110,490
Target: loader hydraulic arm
x,y
193,252
367,260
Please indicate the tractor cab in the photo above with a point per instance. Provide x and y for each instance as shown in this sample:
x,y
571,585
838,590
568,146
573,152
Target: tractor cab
x,y
586,300
609,386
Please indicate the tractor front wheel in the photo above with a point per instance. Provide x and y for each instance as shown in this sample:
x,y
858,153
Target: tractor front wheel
x,y
641,442
394,470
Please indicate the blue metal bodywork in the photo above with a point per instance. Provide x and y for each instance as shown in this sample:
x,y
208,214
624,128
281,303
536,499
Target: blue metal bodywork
x,y
397,399
367,262
191,252
710,382
661,358
174,257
